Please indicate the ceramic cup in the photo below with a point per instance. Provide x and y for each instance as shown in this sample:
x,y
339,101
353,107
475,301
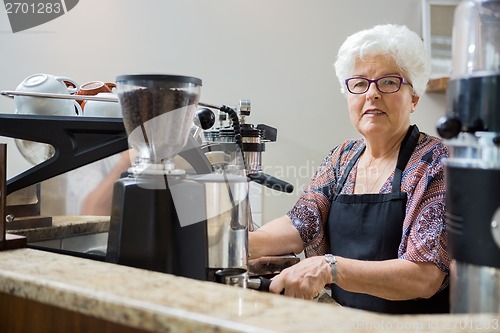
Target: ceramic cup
x,y
93,88
47,83
102,109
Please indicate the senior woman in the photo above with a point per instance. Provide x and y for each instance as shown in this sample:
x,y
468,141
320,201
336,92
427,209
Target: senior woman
x,y
372,219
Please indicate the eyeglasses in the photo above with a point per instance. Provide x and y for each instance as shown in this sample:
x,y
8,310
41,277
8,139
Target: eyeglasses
x,y
386,84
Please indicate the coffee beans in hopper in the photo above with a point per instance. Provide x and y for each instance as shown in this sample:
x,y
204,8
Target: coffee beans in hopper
x,y
141,105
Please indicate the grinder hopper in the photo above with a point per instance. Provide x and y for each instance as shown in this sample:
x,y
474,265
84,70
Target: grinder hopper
x,y
157,113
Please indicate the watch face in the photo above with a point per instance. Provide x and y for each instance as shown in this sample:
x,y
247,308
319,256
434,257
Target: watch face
x,y
330,258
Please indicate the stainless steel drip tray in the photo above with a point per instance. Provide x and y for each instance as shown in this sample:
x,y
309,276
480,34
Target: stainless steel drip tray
x,y
91,246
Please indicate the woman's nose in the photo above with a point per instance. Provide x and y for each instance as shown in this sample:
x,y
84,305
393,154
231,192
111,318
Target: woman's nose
x,y
372,91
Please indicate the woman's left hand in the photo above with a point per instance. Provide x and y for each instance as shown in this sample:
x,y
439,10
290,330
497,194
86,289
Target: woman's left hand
x,y
303,280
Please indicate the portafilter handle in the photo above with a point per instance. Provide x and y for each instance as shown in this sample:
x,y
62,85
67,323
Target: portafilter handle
x,y
259,283
271,182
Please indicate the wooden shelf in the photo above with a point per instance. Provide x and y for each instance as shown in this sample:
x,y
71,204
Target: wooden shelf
x,y
437,85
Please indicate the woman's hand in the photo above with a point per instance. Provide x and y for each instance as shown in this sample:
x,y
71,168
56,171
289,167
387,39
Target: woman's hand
x,y
303,280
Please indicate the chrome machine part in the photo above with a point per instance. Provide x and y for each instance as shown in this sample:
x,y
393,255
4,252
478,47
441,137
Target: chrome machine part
x,y
228,220
253,137
478,150
474,289
237,277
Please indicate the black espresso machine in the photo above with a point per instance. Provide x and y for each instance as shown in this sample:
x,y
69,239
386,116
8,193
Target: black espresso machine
x,y
472,131
183,207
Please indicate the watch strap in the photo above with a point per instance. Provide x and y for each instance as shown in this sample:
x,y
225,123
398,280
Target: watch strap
x,y
332,262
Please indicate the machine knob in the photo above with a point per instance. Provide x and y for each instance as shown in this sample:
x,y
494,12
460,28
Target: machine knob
x,y
448,127
205,118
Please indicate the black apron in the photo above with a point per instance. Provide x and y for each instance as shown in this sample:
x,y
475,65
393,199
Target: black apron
x,y
369,227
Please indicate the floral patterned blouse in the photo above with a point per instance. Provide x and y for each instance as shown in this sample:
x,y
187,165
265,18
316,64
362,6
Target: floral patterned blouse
x,y
423,238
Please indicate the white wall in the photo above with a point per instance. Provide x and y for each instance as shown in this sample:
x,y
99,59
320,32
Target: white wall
x,y
277,53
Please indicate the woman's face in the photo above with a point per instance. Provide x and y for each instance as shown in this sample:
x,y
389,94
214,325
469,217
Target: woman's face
x,y
374,113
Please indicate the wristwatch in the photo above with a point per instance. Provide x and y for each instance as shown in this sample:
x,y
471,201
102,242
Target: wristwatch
x,y
332,261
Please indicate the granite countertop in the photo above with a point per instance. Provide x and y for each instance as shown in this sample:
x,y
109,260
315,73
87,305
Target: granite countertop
x,y
166,303
65,226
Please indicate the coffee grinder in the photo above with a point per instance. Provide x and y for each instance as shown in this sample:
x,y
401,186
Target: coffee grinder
x,y
145,230
471,128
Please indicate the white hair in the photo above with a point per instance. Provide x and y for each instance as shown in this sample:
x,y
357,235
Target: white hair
x,y
395,41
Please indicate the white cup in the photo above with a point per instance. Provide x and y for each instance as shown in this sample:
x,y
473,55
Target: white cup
x,y
47,83
102,109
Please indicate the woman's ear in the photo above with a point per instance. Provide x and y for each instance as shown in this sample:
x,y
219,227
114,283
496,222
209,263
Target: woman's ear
x,y
414,102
